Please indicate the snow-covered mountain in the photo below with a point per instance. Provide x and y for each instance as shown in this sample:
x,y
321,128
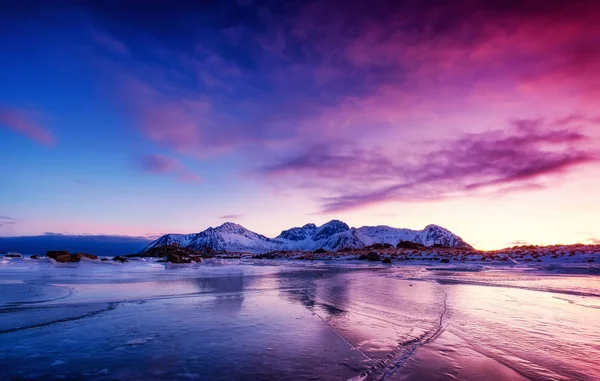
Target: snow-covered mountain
x,y
228,237
332,236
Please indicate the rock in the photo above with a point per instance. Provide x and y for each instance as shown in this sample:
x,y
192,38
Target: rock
x,y
174,258
269,255
56,253
104,259
196,258
320,250
63,258
444,260
387,260
77,256
410,245
363,257
118,258
373,256
379,246
35,257
163,251
14,255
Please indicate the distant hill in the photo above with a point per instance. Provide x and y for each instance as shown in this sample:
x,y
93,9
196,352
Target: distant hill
x,y
92,244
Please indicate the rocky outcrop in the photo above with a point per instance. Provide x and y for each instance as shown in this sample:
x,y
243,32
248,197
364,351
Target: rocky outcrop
x,y
118,258
175,254
64,256
373,256
77,256
410,245
56,253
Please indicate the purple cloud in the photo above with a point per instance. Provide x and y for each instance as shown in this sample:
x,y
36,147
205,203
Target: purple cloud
x,y
23,122
341,68
4,220
230,216
161,164
502,160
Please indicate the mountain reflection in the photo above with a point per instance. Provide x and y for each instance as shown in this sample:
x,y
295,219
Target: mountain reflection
x,y
321,291
228,291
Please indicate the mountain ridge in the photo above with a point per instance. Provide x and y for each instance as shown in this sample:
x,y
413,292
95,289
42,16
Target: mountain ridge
x,y
331,236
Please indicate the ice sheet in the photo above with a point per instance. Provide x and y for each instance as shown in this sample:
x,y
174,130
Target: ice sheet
x,y
232,319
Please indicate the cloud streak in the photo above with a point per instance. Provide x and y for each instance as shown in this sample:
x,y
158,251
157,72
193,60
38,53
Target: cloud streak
x,y
4,221
23,122
165,165
509,160
231,216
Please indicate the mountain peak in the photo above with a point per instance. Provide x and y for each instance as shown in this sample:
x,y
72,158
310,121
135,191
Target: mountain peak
x,y
231,227
335,223
434,227
330,228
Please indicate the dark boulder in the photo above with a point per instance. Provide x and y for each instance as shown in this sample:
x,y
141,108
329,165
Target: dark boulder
x,y
163,251
35,257
77,256
56,253
410,245
320,250
174,258
64,256
373,256
104,259
387,260
118,258
14,255
444,260
363,257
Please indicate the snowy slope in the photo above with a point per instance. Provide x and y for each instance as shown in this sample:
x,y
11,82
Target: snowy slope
x,y
334,235
437,235
172,239
231,237
370,235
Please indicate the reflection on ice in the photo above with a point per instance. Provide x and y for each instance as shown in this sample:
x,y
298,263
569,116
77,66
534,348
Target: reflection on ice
x,y
245,319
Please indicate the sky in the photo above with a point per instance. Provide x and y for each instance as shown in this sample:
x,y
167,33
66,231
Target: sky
x,y
143,118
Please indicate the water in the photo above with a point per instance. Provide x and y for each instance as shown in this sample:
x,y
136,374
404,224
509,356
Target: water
x,y
259,320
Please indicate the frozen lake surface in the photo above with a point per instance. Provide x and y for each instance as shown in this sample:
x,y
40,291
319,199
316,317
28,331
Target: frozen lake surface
x,y
294,320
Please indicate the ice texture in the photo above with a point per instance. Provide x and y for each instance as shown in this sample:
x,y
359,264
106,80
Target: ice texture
x,y
257,319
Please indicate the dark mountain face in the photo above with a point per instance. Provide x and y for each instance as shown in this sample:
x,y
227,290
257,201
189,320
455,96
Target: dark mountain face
x,y
299,234
332,227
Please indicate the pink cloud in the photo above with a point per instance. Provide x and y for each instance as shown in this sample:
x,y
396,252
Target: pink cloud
x,y
164,165
230,216
23,121
501,160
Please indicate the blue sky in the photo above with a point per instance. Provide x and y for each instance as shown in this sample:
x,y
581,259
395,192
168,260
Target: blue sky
x,y
141,119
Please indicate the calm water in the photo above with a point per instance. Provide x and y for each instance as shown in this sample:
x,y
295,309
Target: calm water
x,y
285,320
